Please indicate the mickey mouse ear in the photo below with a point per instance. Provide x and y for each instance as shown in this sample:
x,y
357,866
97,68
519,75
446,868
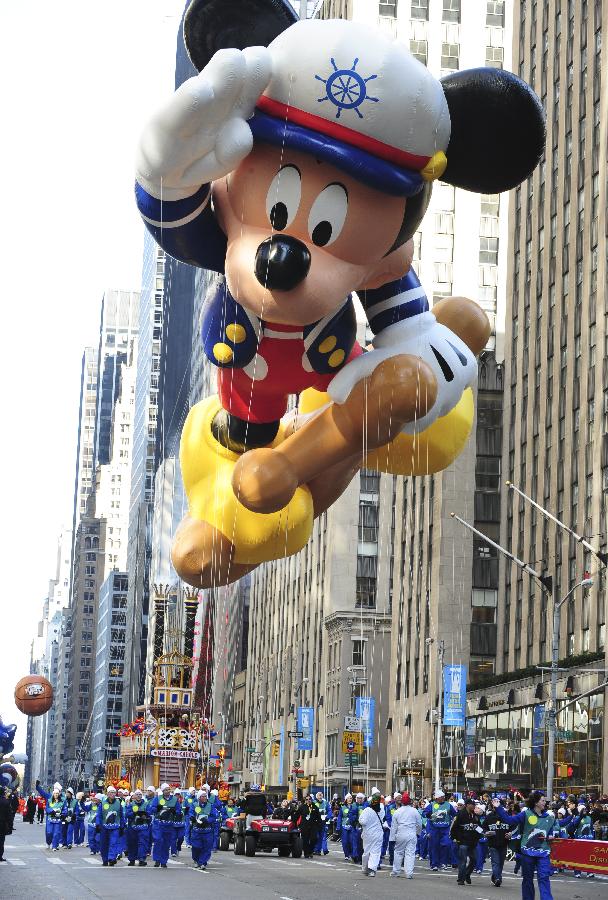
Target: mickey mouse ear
x,y
497,130
212,25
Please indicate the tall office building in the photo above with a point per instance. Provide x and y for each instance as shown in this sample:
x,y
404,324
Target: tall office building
x,y
85,453
556,411
143,469
118,327
109,668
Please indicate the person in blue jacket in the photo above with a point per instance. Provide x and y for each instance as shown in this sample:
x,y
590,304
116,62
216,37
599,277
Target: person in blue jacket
x,y
389,808
357,841
79,830
138,826
90,808
481,851
538,825
55,809
344,827
110,823
164,807
189,802
439,814
217,803
203,816
581,829
179,825
69,819
325,813
150,796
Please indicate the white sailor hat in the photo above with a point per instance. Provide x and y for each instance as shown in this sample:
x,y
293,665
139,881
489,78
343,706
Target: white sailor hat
x,y
355,97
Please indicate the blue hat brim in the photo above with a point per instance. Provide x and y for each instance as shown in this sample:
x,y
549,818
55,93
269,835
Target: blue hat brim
x,y
371,170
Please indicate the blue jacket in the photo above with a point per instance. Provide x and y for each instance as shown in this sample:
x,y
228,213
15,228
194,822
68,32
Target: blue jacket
x,y
110,815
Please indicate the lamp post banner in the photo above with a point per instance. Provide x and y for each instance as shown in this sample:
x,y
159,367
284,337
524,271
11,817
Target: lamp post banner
x,y
365,709
454,695
306,724
538,729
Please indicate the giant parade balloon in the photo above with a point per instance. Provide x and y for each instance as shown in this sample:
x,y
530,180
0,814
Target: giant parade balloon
x,y
9,777
297,165
33,695
7,737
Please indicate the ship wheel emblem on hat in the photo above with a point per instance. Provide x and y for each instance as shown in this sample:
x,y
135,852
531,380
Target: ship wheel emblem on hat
x,y
346,89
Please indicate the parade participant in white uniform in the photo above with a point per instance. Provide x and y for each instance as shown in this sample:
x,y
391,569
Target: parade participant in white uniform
x,y
371,820
406,825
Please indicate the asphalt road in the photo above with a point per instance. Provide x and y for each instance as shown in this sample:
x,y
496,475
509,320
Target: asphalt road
x,y
33,872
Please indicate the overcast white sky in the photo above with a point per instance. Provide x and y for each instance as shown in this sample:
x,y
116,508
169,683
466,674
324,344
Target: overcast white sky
x,y
77,81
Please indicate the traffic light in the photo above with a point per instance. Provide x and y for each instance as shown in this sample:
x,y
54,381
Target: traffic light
x,y
569,771
276,746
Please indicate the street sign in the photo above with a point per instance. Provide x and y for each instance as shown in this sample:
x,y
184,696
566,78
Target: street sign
x,y
351,759
352,742
353,723
295,734
296,763
250,749
256,768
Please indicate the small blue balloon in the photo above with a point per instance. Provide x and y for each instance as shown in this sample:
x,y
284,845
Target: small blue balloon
x,y
7,737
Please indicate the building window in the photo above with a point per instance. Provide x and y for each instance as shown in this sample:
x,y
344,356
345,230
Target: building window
x,y
451,11
419,50
495,13
450,54
359,653
388,8
420,9
495,57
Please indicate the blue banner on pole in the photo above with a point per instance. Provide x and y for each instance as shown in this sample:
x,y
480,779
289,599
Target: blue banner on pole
x,y
306,724
365,709
538,729
454,695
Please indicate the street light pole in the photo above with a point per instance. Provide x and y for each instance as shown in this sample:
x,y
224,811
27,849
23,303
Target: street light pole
x,y
557,610
440,654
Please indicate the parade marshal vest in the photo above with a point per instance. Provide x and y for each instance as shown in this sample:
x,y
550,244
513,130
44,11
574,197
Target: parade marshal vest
x,y
110,813
166,809
584,829
54,808
344,811
93,813
440,815
140,816
535,832
203,812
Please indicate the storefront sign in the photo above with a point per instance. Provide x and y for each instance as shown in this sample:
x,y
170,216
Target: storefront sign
x,y
587,856
175,754
454,695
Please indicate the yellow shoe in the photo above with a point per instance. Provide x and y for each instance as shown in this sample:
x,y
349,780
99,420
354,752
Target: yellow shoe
x,y
433,449
207,471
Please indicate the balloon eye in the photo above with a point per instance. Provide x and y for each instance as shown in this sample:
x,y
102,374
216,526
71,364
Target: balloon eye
x,y
283,198
328,214
279,216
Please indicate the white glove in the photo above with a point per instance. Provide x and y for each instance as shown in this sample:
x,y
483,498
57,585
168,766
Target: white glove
x,y
455,369
201,133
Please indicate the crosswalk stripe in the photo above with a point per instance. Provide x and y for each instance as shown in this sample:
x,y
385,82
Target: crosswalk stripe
x,y
17,862
58,862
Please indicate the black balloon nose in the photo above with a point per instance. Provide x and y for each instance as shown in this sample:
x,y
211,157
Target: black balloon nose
x,y
281,263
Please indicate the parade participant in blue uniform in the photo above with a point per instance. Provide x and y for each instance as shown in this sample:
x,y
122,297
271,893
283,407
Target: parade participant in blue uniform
x,y
357,842
90,808
179,825
389,807
537,828
439,814
79,829
138,826
203,815
344,827
110,822
189,802
55,805
123,796
217,803
581,829
69,819
324,811
422,844
150,796
164,807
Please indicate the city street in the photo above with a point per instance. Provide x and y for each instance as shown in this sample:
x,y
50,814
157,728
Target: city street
x,y
32,871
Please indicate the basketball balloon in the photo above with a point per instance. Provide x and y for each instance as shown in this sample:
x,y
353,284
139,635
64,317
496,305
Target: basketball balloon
x,y
9,777
33,695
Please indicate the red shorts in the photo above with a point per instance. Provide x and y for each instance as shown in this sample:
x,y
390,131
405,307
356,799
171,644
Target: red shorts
x,y
259,393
